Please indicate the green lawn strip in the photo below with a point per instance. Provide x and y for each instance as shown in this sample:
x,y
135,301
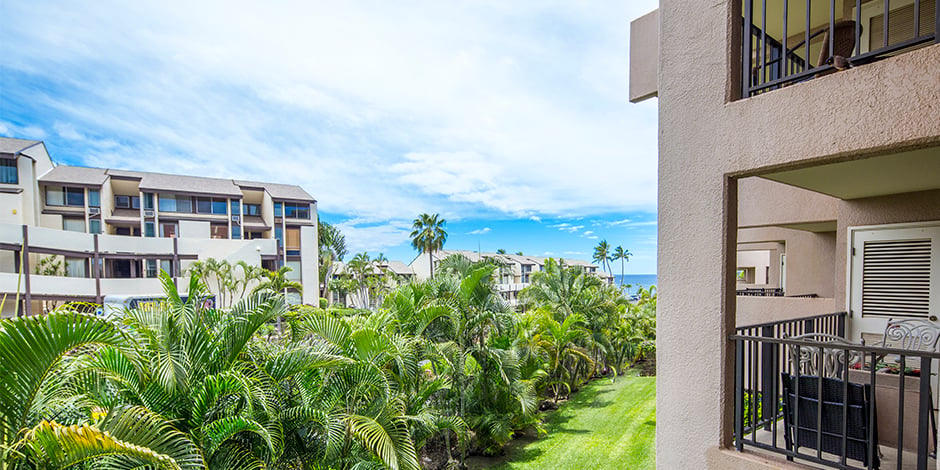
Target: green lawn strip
x,y
604,425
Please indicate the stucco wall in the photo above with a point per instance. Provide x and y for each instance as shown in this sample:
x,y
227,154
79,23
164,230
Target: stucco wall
x,y
644,65
765,202
810,261
705,142
901,208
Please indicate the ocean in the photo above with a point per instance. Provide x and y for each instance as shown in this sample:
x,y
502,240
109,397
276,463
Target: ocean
x,y
635,281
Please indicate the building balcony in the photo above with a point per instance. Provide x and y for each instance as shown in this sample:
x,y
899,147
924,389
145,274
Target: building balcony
x,y
787,42
805,394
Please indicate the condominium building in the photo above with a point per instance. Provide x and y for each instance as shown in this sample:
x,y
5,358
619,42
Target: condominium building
x,y
515,275
112,231
799,206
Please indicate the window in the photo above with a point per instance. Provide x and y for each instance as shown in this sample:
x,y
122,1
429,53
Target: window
x,y
219,206
279,235
8,171
293,241
236,207
171,203
218,231
277,209
297,211
73,225
148,200
130,231
151,268
94,226
203,205
253,209
127,202
94,198
71,197
168,230
150,229
75,267
253,235
236,232
210,205
166,266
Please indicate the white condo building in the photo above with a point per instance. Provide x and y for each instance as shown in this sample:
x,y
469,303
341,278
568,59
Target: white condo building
x,y
514,278
115,230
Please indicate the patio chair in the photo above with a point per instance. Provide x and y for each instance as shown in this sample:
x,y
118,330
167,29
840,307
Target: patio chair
x,y
814,420
843,44
913,334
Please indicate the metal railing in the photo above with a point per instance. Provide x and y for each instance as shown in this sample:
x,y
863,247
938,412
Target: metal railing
x,y
770,62
821,399
761,291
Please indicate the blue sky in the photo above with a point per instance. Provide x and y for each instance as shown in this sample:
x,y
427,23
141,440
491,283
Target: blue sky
x,y
510,119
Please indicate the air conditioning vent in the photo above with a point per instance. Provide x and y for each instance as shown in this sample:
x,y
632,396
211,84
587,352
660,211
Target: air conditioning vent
x,y
94,210
896,278
236,218
149,213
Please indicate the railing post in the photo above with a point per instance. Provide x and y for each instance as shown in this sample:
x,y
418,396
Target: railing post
x,y
24,268
739,394
924,413
768,368
746,51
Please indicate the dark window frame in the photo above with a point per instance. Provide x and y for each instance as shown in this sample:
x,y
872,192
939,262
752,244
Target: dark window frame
x,y
5,165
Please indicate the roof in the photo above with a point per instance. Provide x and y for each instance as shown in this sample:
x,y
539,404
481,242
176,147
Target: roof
x,y
162,182
400,268
14,146
75,175
279,191
189,184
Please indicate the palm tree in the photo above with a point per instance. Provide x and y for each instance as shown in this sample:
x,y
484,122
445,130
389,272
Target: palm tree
x,y
622,255
277,281
428,235
602,255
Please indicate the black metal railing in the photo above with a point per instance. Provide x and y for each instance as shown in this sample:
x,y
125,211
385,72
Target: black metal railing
x,y
771,62
820,399
761,291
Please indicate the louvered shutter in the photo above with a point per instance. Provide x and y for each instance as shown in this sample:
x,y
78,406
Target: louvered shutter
x,y
896,278
901,24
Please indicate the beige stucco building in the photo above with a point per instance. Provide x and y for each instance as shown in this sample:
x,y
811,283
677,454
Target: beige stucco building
x,y
784,165
113,231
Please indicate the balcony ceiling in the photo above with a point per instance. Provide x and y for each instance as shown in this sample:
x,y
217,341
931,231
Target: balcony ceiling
x,y
907,172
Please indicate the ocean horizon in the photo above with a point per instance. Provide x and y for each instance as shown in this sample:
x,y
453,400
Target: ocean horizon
x,y
635,281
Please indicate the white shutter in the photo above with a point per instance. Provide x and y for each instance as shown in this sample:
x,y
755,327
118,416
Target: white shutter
x,y
896,278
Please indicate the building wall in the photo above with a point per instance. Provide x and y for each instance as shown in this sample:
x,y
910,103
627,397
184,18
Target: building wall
x,y
762,202
902,208
706,142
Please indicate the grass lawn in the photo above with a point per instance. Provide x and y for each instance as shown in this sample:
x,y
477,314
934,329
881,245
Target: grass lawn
x,y
604,426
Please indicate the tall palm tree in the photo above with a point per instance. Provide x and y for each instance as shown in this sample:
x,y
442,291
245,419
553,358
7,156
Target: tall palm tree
x,y
602,255
428,235
622,255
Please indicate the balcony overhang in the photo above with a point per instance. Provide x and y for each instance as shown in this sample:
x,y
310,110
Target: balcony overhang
x,y
898,173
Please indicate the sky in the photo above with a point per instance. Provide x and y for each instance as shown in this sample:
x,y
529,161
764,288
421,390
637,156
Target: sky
x,y
510,119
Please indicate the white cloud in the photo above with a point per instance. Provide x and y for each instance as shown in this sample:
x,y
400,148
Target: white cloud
x,y
535,218
379,110
481,231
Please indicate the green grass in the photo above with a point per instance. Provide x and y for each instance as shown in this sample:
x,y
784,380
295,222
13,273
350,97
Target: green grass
x,y
604,426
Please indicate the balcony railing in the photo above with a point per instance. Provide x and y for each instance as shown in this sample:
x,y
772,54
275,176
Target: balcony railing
x,y
825,401
788,42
